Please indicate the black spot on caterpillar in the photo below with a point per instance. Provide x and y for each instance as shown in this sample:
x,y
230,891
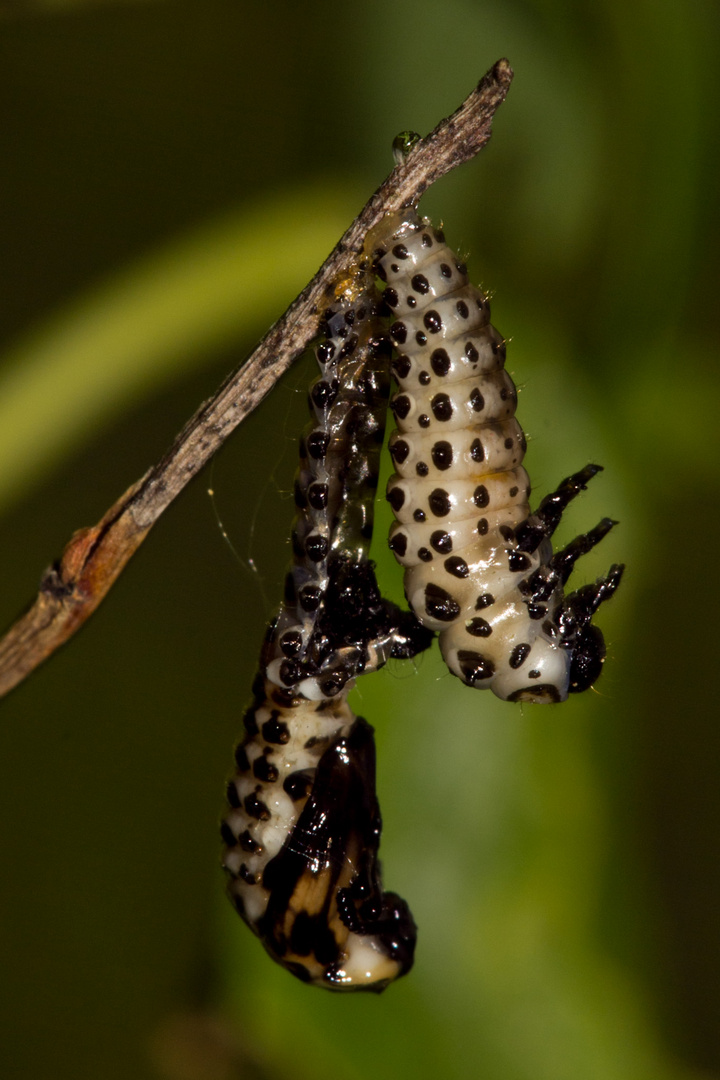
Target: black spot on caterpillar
x,y
458,455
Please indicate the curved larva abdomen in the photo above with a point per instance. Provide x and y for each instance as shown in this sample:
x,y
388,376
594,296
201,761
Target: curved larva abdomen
x,y
301,839
479,567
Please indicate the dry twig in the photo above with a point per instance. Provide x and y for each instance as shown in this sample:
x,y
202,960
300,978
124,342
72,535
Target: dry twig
x,y
74,586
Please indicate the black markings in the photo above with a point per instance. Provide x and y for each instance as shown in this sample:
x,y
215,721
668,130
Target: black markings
x,y
485,599
477,400
481,497
298,785
398,332
290,643
456,566
255,808
419,515
475,667
441,541
478,627
440,362
265,770
441,406
401,406
325,352
400,251
482,526
396,498
316,547
317,444
424,420
420,284
420,338
471,352
275,731
247,843
232,794
519,655
424,555
439,604
477,453
518,561
317,496
507,532
442,455
399,451
424,378
398,544
250,719
462,309
432,321
401,366
439,502
241,759
323,393
421,469
247,876
349,347
228,836
310,597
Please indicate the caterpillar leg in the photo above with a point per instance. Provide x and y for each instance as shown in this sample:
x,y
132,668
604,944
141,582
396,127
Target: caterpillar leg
x,y
577,632
543,582
543,523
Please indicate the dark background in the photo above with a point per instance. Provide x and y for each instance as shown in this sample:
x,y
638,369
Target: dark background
x,y
562,864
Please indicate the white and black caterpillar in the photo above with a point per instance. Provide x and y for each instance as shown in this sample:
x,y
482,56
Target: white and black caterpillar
x,y
480,569
303,831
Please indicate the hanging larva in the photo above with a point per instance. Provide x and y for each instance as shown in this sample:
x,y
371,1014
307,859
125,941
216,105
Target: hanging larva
x,y
303,830
479,565
333,614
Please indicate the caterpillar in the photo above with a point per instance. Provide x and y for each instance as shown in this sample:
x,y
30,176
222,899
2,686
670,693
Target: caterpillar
x,y
303,831
479,566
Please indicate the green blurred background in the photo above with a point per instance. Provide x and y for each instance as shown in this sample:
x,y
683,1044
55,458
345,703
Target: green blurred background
x,y
172,174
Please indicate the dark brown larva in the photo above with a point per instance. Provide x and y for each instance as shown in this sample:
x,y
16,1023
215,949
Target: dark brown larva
x,y
303,829
464,528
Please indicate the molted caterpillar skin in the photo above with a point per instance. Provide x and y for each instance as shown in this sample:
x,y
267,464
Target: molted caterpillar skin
x,y
479,566
303,831
302,839
334,491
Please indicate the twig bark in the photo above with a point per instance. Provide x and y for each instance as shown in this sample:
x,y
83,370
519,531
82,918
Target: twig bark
x,y
74,586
